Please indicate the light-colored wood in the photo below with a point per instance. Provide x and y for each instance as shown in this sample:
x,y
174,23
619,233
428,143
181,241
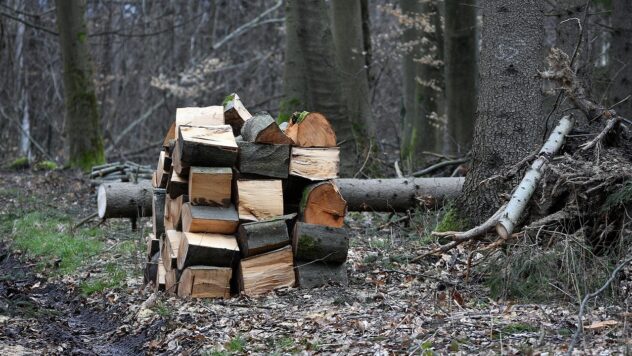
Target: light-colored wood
x,y
214,219
198,116
209,146
205,282
259,200
313,130
160,276
322,204
171,135
235,113
315,163
169,250
172,278
207,249
175,212
263,273
162,170
177,185
219,136
210,186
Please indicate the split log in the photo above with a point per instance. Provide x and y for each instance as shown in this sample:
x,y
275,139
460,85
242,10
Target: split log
x,y
124,200
320,243
153,246
315,163
262,128
259,200
310,129
211,146
264,159
169,137
205,282
207,249
259,237
214,219
235,113
177,165
162,169
323,204
397,194
160,276
177,185
173,221
199,116
151,269
158,212
210,186
316,274
263,273
172,279
169,250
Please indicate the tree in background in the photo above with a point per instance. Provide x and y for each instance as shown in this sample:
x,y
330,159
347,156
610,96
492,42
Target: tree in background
x,y
510,120
82,128
621,56
461,73
311,80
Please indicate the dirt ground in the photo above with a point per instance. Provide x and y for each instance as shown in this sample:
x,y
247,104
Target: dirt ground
x,y
391,306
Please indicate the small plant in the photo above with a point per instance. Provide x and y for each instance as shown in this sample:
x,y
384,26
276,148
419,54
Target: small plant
x,y
163,310
285,343
516,328
236,344
114,277
46,166
450,221
20,163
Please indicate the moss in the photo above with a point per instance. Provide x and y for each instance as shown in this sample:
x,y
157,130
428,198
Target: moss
x,y
20,163
46,166
450,221
308,244
87,159
228,99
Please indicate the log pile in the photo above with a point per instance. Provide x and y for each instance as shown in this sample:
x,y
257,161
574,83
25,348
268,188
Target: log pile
x,y
241,206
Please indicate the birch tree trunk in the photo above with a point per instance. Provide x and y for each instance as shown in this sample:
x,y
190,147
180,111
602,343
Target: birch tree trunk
x,y
621,56
22,85
461,73
311,79
510,121
82,128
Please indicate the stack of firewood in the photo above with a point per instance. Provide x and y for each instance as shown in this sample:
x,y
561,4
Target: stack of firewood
x,y
243,206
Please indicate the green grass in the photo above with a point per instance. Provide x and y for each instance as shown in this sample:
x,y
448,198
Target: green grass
x,y
20,163
236,344
516,328
46,166
450,221
113,277
162,309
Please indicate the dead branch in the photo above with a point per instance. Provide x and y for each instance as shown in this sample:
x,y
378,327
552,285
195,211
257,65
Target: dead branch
x,y
436,166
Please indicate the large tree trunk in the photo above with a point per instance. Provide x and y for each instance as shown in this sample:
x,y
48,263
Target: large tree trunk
x,y
311,79
461,72
349,43
510,122
82,129
621,56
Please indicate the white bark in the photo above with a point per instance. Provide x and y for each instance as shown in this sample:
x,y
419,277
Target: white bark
x,y
25,143
524,191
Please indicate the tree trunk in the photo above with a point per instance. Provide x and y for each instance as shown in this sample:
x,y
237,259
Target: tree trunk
x,y
82,128
125,200
349,43
22,84
510,122
461,73
621,56
310,78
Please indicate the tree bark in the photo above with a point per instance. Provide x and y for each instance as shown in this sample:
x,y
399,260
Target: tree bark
x,y
125,200
461,73
621,56
82,127
510,121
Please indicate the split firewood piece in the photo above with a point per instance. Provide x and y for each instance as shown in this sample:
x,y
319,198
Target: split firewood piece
x,y
199,116
163,169
220,220
177,166
262,128
259,200
211,146
158,212
235,113
207,249
174,206
124,200
323,204
310,129
320,243
169,250
160,276
314,274
210,186
205,282
153,246
264,159
263,273
315,163
177,185
169,137
258,237
172,279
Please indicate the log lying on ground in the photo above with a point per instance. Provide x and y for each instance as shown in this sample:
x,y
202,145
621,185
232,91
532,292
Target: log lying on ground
x,y
323,204
177,185
158,212
169,250
263,273
315,163
397,194
207,249
310,129
316,274
259,200
205,282
214,219
210,186
262,128
263,159
211,146
199,116
172,279
320,243
259,237
124,200
235,113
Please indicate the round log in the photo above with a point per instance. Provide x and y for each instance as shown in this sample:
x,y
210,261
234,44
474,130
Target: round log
x,y
322,204
124,200
320,243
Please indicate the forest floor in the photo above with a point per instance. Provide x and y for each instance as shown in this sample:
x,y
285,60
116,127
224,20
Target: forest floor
x,y
67,289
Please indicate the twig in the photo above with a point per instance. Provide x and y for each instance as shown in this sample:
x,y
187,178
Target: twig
x,y
397,170
396,221
85,220
142,118
434,167
368,155
612,122
582,306
250,24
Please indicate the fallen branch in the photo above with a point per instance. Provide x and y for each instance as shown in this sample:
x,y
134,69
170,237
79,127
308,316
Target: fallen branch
x,y
436,166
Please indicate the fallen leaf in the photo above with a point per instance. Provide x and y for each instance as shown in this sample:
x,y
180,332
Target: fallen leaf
x,y
601,324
